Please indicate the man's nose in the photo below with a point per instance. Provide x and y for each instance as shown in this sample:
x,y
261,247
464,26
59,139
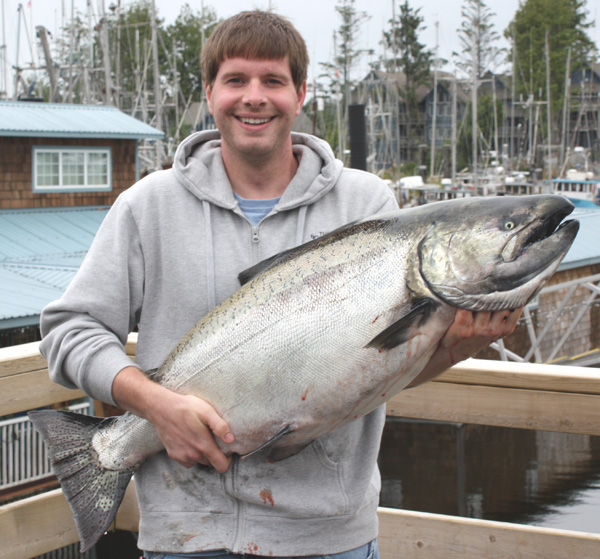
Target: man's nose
x,y
254,93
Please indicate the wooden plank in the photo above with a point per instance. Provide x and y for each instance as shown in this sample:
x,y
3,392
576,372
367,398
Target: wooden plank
x,y
20,358
36,525
43,523
503,407
416,535
131,344
532,376
27,391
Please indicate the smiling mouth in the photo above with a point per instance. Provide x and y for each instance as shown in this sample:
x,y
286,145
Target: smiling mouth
x,y
254,121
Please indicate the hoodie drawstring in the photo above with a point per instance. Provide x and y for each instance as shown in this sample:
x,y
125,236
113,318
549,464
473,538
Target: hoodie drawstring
x,y
300,225
210,257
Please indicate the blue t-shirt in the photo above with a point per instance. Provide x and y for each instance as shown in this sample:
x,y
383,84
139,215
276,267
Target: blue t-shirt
x,y
255,210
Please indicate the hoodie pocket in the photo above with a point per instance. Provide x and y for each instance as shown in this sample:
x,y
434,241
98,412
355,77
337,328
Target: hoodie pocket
x,y
307,485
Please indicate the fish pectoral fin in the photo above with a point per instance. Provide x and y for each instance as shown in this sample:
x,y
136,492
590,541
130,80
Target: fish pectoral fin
x,y
285,430
404,329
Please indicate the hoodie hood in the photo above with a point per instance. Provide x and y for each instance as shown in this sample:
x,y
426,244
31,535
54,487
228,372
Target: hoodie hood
x,y
199,167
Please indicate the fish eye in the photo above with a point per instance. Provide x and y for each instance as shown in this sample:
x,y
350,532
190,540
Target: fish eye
x,y
509,225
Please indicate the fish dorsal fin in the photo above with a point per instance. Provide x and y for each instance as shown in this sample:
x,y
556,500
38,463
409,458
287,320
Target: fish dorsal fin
x,y
404,329
250,273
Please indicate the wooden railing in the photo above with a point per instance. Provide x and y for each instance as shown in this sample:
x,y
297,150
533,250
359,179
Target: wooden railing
x,y
529,396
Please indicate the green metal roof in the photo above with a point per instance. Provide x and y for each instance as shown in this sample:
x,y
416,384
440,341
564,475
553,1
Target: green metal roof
x,y
40,252
62,120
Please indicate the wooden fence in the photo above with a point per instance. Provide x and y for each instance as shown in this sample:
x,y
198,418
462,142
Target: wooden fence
x,y
522,395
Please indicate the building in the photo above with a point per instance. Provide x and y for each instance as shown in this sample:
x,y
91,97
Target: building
x,y
61,167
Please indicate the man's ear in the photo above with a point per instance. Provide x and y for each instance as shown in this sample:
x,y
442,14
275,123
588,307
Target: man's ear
x,y
301,97
208,92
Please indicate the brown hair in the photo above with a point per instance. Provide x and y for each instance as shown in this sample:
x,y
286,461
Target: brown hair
x,y
256,35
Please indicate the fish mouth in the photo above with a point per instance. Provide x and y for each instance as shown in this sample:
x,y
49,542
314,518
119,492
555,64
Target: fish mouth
x,y
489,267
538,231
534,248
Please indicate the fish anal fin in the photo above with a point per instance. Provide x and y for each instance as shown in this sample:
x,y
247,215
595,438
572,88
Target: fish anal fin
x,y
406,328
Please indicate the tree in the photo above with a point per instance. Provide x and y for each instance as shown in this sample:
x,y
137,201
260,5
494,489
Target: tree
x,y
188,32
408,54
565,23
135,54
477,38
347,55
410,57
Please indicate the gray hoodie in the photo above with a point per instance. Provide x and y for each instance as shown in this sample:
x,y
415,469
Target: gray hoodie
x,y
171,248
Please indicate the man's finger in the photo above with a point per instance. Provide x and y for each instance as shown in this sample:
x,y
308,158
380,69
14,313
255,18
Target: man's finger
x,y
215,422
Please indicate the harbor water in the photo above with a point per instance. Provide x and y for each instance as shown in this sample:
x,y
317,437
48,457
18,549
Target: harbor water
x,y
511,475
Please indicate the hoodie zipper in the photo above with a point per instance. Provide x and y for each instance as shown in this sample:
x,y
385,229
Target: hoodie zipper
x,y
239,506
255,245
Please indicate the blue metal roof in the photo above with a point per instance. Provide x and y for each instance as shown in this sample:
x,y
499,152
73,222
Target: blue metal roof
x,y
62,120
586,248
42,249
40,252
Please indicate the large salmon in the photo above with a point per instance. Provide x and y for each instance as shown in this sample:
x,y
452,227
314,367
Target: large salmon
x,y
323,334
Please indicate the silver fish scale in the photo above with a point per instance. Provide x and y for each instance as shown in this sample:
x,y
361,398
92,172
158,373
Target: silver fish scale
x,y
302,355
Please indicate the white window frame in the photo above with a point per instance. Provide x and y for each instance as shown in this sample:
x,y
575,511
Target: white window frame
x,y
65,150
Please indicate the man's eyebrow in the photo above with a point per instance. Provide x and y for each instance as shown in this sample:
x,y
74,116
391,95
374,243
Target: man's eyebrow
x,y
238,73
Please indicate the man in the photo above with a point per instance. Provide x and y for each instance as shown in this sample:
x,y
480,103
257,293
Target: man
x,y
169,250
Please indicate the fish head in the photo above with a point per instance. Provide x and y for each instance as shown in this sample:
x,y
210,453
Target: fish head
x,y
484,254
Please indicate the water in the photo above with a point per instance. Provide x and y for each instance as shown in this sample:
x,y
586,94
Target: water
x,y
510,475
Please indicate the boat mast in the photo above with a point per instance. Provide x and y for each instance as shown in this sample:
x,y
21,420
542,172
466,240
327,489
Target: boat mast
x,y
548,107
563,136
3,66
434,112
157,96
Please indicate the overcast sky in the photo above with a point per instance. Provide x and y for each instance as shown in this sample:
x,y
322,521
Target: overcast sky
x,y
315,19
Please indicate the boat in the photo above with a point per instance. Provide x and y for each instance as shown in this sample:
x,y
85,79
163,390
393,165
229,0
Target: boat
x,y
581,187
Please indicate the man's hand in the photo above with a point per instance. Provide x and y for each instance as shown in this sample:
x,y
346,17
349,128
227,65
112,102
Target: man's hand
x,y
186,425
473,331
469,333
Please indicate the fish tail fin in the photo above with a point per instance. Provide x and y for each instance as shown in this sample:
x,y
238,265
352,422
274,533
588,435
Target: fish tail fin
x,y
93,492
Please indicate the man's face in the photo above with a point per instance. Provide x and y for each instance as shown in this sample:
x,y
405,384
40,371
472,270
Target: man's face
x,y
254,104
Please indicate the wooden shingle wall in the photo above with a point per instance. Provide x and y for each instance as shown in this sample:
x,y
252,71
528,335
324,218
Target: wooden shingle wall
x,y
16,184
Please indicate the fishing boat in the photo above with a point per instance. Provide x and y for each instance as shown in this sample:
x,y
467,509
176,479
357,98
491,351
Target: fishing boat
x,y
581,187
